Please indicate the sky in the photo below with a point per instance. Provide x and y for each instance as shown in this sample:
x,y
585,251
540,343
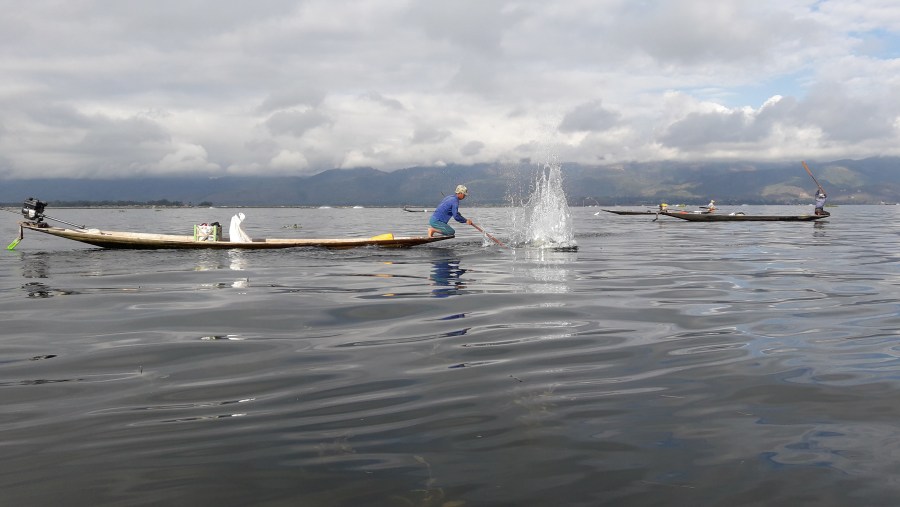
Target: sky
x,y
121,88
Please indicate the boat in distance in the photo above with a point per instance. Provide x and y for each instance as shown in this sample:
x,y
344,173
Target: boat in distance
x,y
740,217
630,212
206,236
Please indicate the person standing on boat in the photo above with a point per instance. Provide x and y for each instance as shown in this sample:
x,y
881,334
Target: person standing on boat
x,y
820,201
447,209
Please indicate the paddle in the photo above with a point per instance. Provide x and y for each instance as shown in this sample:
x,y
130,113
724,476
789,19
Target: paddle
x,y
811,176
495,240
15,243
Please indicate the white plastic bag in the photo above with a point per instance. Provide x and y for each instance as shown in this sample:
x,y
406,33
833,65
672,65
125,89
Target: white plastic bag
x,y
236,232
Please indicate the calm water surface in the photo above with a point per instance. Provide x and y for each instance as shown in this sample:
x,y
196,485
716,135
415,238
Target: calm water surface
x,y
663,363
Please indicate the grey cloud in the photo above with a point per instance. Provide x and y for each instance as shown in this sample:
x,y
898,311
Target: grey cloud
x,y
473,24
590,117
428,134
695,32
847,118
472,148
123,136
702,129
385,101
295,123
285,99
57,115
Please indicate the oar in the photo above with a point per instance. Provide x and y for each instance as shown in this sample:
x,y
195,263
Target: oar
x,y
495,240
15,243
811,176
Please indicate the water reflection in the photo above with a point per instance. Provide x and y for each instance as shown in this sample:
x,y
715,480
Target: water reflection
x,y
35,265
819,229
237,260
546,270
238,263
446,276
208,260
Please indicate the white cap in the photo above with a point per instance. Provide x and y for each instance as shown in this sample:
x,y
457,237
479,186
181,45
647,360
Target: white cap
x,y
461,189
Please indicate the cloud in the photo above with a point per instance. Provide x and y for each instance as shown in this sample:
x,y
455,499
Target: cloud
x,y
290,98
290,160
295,123
429,134
472,148
186,157
97,88
590,117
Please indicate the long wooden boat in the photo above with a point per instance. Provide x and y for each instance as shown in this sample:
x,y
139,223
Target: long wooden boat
x,y
630,212
739,217
145,241
650,212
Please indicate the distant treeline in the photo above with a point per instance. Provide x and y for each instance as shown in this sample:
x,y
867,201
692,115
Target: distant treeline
x,y
162,203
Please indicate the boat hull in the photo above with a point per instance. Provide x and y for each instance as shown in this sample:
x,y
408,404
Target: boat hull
x,y
716,217
151,241
629,212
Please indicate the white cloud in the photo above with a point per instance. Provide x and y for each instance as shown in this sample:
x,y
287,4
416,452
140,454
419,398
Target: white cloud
x,y
186,158
290,160
97,88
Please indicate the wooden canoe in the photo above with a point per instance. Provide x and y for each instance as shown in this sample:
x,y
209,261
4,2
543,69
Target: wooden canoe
x,y
149,241
721,217
650,212
630,212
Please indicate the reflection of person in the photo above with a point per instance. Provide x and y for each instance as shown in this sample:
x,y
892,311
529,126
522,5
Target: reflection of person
x,y
447,209
446,273
820,202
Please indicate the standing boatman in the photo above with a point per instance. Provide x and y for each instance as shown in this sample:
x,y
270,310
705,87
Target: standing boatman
x,y
447,209
820,193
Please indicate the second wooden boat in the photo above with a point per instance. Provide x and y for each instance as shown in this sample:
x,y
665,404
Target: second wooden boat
x,y
740,217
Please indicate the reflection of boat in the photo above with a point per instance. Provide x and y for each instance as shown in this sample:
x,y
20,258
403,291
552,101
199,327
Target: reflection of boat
x,y
740,217
143,240
33,210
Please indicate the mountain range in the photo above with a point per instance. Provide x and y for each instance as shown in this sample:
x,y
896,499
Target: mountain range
x,y
865,181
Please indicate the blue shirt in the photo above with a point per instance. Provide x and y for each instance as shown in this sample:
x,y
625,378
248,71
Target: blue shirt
x,y
448,208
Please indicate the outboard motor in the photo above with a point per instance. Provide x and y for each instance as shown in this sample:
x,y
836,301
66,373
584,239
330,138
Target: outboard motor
x,y
33,209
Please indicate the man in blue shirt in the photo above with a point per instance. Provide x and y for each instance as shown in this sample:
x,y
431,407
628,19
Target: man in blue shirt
x,y
447,209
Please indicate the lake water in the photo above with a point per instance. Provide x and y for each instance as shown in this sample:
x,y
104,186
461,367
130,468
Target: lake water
x,y
662,363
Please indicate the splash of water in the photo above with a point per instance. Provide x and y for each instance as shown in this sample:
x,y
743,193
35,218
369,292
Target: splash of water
x,y
544,221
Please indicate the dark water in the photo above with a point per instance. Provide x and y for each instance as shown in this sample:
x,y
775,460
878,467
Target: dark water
x,y
663,363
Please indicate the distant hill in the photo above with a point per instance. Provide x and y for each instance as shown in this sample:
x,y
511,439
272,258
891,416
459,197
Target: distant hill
x,y
866,181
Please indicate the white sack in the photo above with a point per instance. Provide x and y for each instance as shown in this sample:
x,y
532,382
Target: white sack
x,y
236,232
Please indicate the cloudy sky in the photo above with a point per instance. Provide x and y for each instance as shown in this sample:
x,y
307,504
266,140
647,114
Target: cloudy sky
x,y
98,88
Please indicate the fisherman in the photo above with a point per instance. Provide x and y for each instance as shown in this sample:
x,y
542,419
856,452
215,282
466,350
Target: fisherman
x,y
663,207
447,209
820,202
711,206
